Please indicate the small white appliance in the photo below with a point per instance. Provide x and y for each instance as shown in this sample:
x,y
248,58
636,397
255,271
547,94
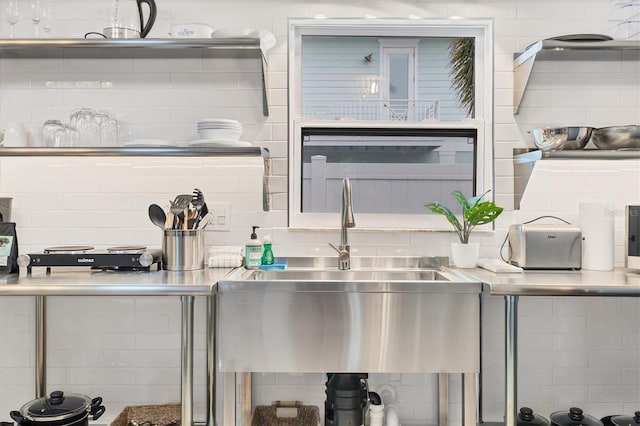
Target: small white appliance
x,y
632,233
536,246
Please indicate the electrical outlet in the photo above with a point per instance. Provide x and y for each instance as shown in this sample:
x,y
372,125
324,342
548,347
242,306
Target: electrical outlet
x,y
220,219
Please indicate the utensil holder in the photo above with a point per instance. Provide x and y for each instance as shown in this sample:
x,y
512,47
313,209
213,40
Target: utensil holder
x,y
183,250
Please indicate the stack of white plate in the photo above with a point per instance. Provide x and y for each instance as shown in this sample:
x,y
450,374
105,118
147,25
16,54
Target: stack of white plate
x,y
219,132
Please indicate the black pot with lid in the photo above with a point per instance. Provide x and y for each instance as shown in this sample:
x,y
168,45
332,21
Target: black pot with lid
x,y
526,417
575,417
59,409
626,420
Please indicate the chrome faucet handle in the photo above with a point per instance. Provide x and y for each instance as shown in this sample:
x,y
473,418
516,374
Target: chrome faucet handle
x,y
344,256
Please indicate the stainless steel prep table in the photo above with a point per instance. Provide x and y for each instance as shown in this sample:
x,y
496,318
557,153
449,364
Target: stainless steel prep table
x,y
617,283
75,282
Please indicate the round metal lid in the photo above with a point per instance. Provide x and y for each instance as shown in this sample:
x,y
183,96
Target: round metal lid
x,y
57,406
626,420
127,249
68,249
574,417
526,416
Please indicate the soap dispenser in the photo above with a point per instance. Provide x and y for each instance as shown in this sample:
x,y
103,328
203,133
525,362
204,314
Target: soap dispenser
x,y
253,251
267,254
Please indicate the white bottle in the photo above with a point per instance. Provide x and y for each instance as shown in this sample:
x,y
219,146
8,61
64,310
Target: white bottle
x,y
376,414
253,251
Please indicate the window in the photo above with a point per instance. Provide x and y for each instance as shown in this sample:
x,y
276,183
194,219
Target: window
x,y
377,101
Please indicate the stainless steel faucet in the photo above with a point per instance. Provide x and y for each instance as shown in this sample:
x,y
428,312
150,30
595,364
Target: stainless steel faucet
x,y
347,221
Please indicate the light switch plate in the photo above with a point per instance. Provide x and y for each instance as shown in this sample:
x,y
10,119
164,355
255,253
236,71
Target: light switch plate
x,y
220,216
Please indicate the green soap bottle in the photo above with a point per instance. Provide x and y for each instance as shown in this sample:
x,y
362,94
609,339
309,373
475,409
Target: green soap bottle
x,y
267,253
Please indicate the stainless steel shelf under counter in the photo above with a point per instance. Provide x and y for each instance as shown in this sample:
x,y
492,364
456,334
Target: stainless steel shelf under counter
x,y
617,283
73,282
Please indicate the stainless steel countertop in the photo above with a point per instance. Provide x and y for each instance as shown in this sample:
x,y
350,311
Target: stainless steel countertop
x,y
77,282
619,282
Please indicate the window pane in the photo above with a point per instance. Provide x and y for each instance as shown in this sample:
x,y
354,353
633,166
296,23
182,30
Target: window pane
x,y
344,78
391,170
398,77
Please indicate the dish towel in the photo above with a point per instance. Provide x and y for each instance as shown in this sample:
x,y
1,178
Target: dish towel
x,y
225,257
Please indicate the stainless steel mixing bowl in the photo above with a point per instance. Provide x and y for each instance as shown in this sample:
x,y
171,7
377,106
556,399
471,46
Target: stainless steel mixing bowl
x,y
561,138
617,137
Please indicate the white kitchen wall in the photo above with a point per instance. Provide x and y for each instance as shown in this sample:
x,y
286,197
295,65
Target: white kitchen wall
x,y
574,351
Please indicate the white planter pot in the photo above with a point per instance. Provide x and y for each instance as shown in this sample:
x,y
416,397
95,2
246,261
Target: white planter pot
x,y
465,255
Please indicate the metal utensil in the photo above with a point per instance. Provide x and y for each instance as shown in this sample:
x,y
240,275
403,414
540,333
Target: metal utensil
x,y
617,137
176,211
192,218
204,221
561,138
157,215
178,207
197,201
182,200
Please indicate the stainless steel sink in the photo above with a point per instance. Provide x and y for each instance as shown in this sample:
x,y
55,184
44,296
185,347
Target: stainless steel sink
x,y
386,314
350,275
368,262
367,274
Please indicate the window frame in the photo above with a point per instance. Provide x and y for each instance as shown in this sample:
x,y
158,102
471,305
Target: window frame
x,y
482,123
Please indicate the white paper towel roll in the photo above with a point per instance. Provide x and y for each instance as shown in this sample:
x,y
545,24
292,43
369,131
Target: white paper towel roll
x,y
598,245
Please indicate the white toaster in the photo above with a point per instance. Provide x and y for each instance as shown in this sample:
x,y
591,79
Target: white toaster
x,y
536,246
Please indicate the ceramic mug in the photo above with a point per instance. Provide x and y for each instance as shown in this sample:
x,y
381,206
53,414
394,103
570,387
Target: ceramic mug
x,y
15,135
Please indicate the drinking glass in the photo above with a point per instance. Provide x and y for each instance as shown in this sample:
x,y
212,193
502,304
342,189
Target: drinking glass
x,y
52,131
98,128
82,119
71,135
109,133
12,14
47,18
36,16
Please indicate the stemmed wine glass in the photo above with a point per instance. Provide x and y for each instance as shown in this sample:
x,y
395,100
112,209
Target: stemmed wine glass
x,y
36,16
12,14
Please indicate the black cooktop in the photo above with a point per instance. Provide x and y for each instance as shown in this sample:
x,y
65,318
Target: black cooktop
x,y
121,258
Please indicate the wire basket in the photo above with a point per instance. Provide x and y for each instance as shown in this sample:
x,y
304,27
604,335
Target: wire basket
x,y
161,415
286,413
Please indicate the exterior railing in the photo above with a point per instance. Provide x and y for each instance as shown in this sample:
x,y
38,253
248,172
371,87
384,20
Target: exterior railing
x,y
372,110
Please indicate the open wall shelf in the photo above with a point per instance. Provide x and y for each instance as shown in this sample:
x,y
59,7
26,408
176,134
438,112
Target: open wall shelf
x,y
566,50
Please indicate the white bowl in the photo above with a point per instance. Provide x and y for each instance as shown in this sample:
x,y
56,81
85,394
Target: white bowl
x,y
191,31
220,134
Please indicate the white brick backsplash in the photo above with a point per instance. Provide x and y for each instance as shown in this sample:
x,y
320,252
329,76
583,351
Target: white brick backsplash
x,y
14,359
562,360
15,376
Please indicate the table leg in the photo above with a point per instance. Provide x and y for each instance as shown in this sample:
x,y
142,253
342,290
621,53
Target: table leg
x,y
186,365
443,399
246,399
511,359
41,346
229,399
469,399
211,361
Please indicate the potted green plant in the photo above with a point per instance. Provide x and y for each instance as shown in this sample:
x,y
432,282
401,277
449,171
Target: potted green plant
x,y
475,212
